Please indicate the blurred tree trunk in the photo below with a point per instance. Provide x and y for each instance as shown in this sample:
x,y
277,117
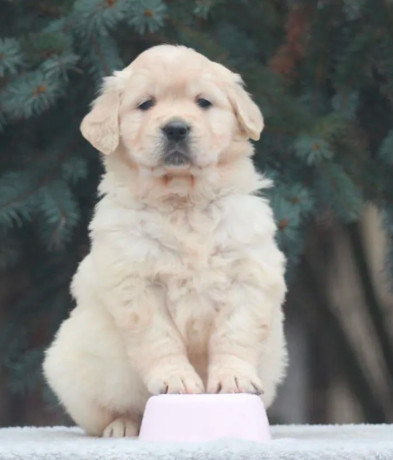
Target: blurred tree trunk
x,y
341,292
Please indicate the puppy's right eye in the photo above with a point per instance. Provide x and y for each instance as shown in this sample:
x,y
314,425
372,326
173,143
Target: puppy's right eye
x,y
146,105
204,103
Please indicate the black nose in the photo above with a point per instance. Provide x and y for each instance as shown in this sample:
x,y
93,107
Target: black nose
x,y
176,131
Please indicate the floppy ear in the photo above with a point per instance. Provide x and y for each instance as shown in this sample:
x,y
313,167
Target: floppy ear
x,y
101,125
247,112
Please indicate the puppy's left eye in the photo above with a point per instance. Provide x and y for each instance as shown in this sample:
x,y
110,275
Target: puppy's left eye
x,y
204,103
146,105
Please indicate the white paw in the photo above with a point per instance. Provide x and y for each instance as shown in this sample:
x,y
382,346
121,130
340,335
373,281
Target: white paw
x,y
234,382
187,381
121,427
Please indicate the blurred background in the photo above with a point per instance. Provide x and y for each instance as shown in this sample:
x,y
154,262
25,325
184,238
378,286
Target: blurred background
x,y
322,73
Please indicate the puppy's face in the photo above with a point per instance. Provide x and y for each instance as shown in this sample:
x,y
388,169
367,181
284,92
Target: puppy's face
x,y
173,110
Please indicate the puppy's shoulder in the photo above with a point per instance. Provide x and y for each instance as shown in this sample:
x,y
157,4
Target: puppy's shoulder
x,y
247,215
113,216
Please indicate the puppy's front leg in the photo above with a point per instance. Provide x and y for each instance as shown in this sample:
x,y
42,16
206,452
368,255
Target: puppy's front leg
x,y
153,343
241,329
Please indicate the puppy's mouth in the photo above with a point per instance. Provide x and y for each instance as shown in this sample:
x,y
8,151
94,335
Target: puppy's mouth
x,y
177,159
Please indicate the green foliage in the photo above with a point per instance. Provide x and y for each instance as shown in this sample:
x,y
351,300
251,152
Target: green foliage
x,y
147,15
337,191
203,8
10,251
30,94
101,56
321,71
10,57
312,150
99,16
386,149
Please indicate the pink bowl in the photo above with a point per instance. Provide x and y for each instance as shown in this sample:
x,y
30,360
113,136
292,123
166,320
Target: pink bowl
x,y
205,417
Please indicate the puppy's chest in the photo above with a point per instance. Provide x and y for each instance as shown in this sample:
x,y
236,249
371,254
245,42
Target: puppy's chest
x,y
195,275
191,248
192,238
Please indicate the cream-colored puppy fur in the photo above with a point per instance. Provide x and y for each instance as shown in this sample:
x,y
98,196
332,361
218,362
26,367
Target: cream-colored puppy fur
x,y
182,289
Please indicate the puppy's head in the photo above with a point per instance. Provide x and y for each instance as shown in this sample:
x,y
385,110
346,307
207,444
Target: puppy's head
x,y
173,110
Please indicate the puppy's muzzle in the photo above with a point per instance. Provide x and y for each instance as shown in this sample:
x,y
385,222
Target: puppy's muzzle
x,y
177,158
176,150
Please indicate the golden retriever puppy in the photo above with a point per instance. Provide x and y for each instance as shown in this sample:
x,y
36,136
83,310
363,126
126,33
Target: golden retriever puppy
x,y
182,290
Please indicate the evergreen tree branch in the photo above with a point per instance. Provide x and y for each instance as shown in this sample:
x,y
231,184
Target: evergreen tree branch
x,y
100,55
42,182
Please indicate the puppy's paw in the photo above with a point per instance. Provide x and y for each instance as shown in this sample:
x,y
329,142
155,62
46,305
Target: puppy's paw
x,y
181,381
121,427
234,382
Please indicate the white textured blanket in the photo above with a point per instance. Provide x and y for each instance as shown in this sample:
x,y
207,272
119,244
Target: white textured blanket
x,y
300,442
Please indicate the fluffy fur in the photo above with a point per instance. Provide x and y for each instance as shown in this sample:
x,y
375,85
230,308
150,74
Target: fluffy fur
x,y
183,287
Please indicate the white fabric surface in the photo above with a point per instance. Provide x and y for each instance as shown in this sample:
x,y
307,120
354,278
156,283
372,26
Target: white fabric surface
x,y
300,442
